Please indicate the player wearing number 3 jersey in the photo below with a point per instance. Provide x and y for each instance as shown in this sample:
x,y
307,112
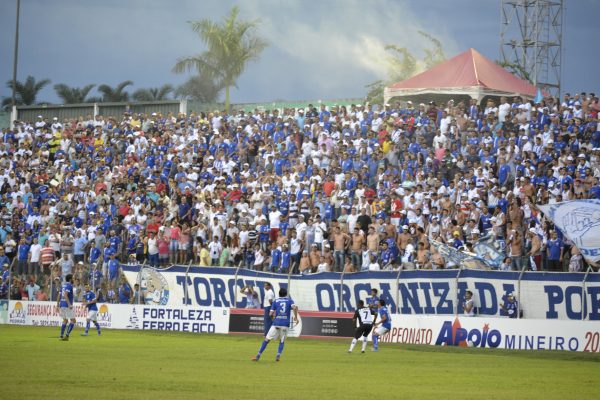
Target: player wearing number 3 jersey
x,y
365,318
281,311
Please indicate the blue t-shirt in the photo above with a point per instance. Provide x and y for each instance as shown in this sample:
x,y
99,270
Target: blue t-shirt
x,y
388,321
23,252
90,296
275,257
372,303
554,247
113,267
66,292
285,259
282,306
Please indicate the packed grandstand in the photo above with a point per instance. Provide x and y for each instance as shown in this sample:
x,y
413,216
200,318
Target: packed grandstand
x,y
295,190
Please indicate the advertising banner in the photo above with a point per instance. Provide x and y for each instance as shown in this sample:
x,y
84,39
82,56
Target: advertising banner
x,y
310,324
125,316
502,333
542,295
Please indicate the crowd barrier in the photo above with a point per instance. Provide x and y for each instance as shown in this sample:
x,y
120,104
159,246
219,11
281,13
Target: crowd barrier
x,y
540,295
482,332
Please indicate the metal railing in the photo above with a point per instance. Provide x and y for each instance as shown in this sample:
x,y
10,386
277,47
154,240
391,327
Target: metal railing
x,y
584,313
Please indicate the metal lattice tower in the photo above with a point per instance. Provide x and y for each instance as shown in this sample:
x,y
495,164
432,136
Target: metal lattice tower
x,y
531,40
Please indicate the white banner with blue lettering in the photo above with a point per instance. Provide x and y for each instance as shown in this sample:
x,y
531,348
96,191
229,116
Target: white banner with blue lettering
x,y
490,332
542,295
579,220
124,316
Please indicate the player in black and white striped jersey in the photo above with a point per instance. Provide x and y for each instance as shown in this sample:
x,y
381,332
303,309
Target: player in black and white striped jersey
x,y
366,319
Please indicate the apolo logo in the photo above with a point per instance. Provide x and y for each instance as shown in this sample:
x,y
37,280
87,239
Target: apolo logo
x,y
18,311
452,334
104,314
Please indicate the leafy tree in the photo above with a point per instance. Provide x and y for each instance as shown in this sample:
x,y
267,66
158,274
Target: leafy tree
x,y
402,64
375,92
116,94
73,95
231,45
153,94
25,92
199,88
516,69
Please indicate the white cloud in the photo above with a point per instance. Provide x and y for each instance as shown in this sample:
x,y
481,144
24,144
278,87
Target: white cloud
x,y
338,46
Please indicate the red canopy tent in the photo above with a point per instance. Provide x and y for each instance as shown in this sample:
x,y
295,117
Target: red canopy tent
x,y
469,73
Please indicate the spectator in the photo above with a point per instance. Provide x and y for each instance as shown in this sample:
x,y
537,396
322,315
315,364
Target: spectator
x,y
3,289
510,306
402,174
468,305
554,249
136,297
66,266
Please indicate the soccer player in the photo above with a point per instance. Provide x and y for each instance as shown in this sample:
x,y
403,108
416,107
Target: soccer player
x,y
280,313
65,306
89,300
268,299
366,319
373,301
384,324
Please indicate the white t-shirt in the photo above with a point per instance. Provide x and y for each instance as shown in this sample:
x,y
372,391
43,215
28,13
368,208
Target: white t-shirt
x,y
472,312
374,266
274,219
269,297
503,110
320,229
322,267
215,249
152,246
35,250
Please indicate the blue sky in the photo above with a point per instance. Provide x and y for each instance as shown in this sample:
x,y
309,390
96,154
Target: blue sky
x,y
317,50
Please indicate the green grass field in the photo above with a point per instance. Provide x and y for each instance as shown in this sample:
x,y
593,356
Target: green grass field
x,y
143,365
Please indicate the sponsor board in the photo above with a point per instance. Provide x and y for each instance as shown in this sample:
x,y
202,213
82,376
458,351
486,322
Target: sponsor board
x,y
125,316
502,333
542,295
310,324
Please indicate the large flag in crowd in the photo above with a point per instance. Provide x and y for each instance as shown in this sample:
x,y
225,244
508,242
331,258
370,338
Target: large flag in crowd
x,y
578,220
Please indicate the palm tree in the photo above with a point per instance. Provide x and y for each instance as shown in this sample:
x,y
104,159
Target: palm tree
x,y
231,45
25,92
73,95
116,94
199,88
153,94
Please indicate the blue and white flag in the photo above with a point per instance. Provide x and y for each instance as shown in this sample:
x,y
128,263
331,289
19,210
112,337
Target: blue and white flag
x,y
459,258
578,220
489,250
539,96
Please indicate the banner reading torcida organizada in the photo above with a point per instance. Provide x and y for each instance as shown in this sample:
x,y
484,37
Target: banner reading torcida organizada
x,y
541,295
502,333
126,316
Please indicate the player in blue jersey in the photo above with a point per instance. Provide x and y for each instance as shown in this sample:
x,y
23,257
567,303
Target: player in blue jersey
x,y
65,306
373,301
383,326
281,310
89,300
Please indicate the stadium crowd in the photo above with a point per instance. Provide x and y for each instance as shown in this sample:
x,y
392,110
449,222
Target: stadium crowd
x,y
309,190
